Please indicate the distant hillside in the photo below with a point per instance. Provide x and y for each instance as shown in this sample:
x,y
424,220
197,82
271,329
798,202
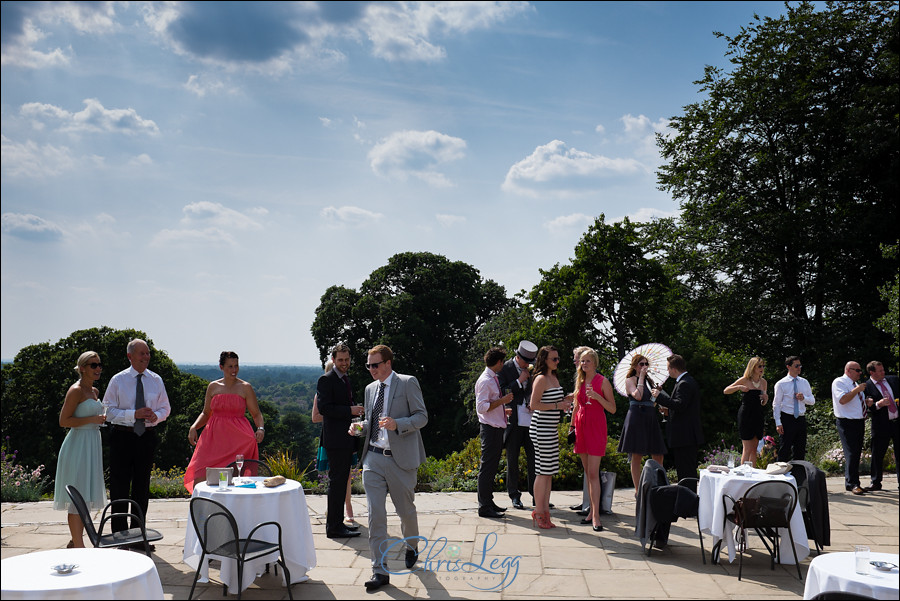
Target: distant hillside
x,y
289,387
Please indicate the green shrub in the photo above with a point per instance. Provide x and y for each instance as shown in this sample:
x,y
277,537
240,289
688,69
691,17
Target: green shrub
x,y
283,463
18,483
167,484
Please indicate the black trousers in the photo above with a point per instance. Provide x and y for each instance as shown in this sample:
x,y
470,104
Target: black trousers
x,y
852,433
491,449
685,460
793,442
130,464
882,436
338,472
518,438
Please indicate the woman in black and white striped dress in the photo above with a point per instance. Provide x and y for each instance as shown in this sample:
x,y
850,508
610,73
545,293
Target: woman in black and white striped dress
x,y
548,402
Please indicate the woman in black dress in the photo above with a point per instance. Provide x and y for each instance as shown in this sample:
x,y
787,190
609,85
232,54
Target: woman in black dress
x,y
641,434
750,416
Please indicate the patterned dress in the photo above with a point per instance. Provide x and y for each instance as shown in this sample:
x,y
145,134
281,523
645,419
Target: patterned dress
x,y
544,434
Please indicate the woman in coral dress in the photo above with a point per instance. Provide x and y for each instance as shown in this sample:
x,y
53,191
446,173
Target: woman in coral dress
x,y
227,432
593,398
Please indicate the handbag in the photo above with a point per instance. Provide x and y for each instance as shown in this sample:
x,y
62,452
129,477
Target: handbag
x,y
571,436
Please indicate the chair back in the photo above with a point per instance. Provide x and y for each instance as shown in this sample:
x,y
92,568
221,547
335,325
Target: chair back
x,y
215,526
767,504
252,467
798,471
84,514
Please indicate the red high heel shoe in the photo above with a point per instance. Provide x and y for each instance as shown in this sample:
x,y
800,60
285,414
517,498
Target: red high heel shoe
x,y
551,524
541,519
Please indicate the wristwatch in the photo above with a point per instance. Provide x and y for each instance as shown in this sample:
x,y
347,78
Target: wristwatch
x,y
261,428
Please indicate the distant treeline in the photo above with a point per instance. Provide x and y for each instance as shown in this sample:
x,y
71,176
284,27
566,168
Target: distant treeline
x,y
288,387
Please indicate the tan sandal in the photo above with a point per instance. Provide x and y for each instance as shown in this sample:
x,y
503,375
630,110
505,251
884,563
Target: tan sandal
x,y
71,544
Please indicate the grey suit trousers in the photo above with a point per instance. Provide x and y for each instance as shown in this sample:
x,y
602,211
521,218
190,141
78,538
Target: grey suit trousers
x,y
381,475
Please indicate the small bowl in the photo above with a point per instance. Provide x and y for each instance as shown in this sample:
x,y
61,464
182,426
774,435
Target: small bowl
x,y
884,566
65,568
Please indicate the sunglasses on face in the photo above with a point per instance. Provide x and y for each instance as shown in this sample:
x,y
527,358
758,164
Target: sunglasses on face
x,y
859,371
95,365
373,365
644,364
554,359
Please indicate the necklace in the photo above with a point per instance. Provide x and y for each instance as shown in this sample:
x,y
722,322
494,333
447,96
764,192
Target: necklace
x,y
757,383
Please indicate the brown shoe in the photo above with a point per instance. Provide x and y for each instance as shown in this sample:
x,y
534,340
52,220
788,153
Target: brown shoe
x,y
858,491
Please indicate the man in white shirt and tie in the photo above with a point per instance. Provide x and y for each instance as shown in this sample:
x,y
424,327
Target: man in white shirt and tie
x,y
490,405
136,403
883,391
850,416
792,394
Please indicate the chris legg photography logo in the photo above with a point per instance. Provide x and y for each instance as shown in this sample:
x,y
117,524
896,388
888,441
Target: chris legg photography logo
x,y
442,558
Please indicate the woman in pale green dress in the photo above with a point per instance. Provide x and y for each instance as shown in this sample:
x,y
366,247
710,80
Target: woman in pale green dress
x,y
80,460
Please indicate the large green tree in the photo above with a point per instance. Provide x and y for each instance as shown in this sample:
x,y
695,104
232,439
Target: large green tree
x,y
786,173
35,384
427,309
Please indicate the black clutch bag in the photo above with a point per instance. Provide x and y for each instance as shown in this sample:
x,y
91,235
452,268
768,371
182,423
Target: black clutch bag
x,y
571,436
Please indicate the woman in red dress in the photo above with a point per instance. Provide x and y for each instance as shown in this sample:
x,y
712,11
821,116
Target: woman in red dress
x,y
593,397
227,432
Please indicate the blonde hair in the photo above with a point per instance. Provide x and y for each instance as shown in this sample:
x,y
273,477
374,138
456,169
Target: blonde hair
x,y
751,367
329,365
84,359
579,373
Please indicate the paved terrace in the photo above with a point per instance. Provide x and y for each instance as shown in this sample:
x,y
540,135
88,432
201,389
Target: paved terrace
x,y
568,562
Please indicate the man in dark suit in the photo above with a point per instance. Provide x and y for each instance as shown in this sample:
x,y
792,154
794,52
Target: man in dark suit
x,y
335,403
516,378
883,391
391,455
683,429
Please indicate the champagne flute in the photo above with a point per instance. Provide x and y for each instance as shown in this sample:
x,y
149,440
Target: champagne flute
x,y
105,404
239,462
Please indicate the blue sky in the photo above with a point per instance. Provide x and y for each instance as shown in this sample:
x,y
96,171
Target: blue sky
x,y
204,171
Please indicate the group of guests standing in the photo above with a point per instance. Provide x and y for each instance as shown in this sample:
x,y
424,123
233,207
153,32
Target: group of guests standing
x,y
529,383
853,400
134,404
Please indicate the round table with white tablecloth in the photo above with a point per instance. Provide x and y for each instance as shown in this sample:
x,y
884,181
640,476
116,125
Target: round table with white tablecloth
x,y
100,574
836,572
713,486
285,504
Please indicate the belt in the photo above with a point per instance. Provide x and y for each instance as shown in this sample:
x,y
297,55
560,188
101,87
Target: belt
x,y
380,451
128,428
640,403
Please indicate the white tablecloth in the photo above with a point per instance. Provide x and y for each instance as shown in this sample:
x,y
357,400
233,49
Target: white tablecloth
x,y
101,574
711,489
837,572
285,504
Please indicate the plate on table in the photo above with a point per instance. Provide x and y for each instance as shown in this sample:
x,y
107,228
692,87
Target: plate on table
x,y
884,566
67,568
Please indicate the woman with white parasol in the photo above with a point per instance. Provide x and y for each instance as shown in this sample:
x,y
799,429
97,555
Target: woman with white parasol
x,y
641,434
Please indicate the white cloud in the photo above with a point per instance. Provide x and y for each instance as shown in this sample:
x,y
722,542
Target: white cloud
x,y
406,31
326,122
141,160
218,216
31,160
566,223
201,85
30,227
347,215
557,169
208,237
642,131
416,154
600,129
19,50
94,118
449,220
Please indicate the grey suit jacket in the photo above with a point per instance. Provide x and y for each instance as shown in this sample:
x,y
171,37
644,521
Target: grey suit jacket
x,y
406,405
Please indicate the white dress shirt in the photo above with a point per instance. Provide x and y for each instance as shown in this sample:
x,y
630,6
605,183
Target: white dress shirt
x,y
382,440
783,400
891,393
120,395
852,409
487,390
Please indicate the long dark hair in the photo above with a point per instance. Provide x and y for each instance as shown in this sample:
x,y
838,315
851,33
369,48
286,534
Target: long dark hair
x,y
632,371
541,367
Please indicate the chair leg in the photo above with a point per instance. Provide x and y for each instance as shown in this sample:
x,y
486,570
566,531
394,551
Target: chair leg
x,y
702,552
794,550
743,538
196,576
287,576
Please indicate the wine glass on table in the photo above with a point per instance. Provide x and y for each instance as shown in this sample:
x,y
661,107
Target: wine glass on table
x,y
239,462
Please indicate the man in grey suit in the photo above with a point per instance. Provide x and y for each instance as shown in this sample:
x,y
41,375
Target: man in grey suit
x,y
392,452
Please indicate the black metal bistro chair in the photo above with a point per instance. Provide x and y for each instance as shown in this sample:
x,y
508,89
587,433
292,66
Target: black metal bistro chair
x,y
218,534
670,502
764,508
140,534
